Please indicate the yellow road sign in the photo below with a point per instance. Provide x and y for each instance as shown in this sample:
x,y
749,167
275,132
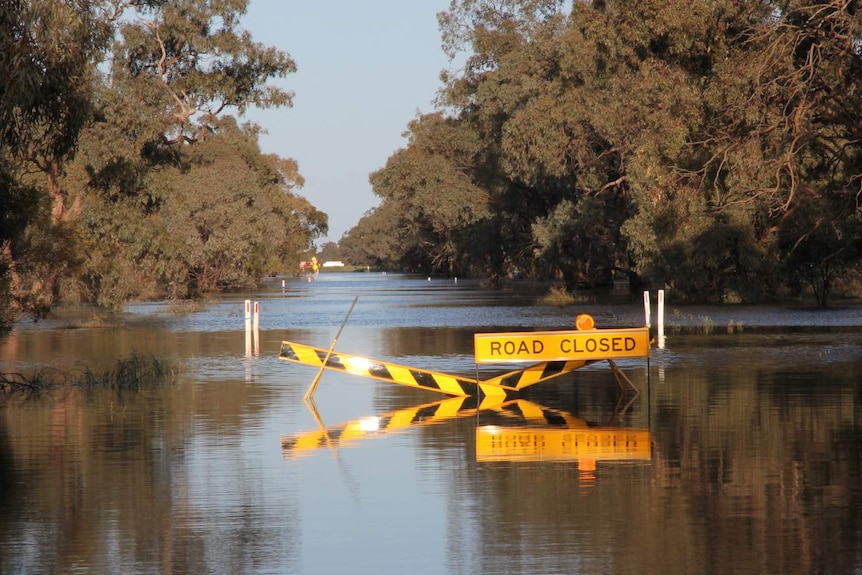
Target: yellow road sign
x,y
575,345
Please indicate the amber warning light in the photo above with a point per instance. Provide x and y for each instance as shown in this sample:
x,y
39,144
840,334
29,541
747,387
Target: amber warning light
x,y
585,322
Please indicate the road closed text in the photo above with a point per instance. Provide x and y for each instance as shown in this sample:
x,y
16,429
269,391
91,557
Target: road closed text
x,y
561,345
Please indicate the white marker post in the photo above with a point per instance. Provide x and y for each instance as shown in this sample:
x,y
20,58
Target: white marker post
x,y
646,308
661,319
256,329
248,328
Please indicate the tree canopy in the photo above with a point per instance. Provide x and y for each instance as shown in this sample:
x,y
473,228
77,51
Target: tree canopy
x,y
708,147
711,148
124,173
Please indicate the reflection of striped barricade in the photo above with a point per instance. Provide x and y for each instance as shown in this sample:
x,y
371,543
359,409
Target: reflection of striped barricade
x,y
514,430
377,426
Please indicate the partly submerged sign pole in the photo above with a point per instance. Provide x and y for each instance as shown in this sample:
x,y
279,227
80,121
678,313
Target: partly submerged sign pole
x,y
311,388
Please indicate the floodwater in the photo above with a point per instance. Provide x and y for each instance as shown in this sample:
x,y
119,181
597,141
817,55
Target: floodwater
x,y
740,453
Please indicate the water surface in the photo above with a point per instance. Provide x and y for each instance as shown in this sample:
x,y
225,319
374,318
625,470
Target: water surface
x,y
741,453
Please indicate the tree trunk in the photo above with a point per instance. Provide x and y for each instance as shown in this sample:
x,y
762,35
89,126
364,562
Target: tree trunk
x,y
35,294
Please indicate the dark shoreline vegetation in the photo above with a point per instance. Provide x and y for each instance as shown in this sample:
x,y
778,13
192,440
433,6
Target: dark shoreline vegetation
x,y
128,374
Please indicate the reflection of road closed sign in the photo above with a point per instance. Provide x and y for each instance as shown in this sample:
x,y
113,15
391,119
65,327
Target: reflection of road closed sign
x,y
561,345
547,444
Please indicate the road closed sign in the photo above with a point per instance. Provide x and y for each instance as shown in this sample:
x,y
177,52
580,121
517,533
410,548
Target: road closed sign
x,y
561,345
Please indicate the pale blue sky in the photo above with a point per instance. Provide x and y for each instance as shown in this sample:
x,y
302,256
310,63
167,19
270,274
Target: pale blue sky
x,y
365,69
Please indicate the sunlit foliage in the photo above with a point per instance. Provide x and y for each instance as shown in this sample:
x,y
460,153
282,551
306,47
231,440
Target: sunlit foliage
x,y
124,174
711,148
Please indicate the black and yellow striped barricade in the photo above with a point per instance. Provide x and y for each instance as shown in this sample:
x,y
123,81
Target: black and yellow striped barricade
x,y
533,374
505,385
454,385
555,353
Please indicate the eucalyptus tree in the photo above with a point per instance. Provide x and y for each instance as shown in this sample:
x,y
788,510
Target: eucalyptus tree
x,y
769,138
46,68
565,158
220,219
636,135
491,186
808,89
164,216
763,187
375,240
226,220
505,68
660,76
708,146
430,184
189,62
556,178
131,87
